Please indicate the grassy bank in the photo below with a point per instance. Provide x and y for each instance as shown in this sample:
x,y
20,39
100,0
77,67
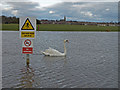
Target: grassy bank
x,y
55,27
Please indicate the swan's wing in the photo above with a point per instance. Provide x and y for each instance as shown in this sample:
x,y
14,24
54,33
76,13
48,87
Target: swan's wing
x,y
52,51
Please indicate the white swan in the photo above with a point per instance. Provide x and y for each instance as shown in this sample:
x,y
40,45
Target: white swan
x,y
53,52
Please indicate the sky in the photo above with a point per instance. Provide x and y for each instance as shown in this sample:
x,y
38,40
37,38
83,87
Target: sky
x,y
75,10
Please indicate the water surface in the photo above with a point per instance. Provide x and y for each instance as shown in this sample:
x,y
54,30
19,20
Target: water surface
x,y
91,61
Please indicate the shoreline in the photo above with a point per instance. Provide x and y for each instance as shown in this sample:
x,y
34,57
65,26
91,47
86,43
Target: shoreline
x,y
58,31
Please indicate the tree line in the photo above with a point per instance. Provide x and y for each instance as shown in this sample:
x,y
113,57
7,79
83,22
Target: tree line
x,y
15,20
8,20
12,20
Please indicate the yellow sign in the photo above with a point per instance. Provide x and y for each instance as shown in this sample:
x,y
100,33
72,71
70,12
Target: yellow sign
x,y
26,34
27,25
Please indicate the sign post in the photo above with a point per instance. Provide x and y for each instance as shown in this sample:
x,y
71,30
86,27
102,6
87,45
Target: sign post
x,y
27,28
27,61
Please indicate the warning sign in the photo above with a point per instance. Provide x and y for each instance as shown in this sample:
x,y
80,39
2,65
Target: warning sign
x,y
27,25
27,42
25,34
27,46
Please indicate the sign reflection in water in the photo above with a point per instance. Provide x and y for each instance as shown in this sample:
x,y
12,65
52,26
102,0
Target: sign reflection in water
x,y
26,81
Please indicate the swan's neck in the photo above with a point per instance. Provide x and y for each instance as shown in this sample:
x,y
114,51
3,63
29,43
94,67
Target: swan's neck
x,y
65,49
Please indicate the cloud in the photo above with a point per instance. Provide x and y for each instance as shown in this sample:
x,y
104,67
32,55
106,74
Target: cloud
x,y
107,9
15,12
21,8
8,8
51,12
91,0
85,11
88,11
87,14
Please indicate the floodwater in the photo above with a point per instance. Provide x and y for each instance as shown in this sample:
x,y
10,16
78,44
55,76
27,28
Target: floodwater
x,y
91,61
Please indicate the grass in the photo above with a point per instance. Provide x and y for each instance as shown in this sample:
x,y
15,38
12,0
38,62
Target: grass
x,y
62,27
10,27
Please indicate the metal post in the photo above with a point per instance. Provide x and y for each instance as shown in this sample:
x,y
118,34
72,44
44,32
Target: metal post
x,y
27,61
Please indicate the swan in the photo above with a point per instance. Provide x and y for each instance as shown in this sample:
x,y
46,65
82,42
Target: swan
x,y
53,52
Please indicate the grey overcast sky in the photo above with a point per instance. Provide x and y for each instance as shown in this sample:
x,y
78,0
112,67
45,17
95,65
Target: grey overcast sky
x,y
80,10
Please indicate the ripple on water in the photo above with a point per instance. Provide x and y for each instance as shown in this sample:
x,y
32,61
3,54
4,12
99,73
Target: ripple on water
x,y
91,61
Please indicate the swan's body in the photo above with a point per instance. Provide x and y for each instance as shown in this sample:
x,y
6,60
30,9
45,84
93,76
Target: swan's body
x,y
53,52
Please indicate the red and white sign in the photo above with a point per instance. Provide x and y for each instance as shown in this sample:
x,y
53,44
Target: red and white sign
x,y
27,42
27,46
27,50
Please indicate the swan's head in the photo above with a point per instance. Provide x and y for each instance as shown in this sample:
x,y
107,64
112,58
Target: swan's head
x,y
66,41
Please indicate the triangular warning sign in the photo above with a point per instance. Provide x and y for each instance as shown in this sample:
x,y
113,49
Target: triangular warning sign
x,y
27,25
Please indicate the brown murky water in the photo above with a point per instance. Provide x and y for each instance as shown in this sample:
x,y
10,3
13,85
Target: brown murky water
x,y
91,61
